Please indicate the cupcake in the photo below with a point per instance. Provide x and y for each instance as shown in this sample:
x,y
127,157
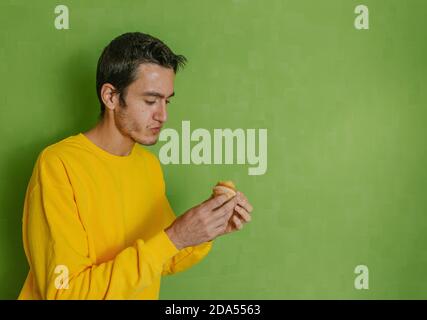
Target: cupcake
x,y
225,187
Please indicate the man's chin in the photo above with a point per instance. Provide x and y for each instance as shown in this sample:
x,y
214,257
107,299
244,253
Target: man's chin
x,y
147,141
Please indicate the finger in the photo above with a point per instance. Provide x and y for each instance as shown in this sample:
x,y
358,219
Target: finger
x,y
215,202
229,225
219,230
243,213
224,212
219,224
227,209
237,222
243,201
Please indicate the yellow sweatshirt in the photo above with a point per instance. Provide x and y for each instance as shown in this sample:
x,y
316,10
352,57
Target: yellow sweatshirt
x,y
98,219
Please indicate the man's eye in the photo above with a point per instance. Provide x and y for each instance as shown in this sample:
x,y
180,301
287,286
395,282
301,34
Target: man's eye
x,y
150,102
168,101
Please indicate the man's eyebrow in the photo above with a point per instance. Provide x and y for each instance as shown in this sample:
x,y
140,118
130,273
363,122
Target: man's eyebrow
x,y
156,94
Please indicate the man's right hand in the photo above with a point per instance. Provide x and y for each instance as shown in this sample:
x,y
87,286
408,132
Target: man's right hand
x,y
202,223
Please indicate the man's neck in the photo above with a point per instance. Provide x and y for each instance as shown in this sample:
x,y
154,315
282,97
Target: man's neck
x,y
106,136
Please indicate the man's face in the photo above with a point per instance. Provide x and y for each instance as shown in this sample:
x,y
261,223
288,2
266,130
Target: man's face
x,y
146,102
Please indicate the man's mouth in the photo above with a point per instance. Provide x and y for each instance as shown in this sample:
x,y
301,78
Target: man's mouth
x,y
155,130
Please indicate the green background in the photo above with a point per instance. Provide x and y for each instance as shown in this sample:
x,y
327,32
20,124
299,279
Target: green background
x,y
345,111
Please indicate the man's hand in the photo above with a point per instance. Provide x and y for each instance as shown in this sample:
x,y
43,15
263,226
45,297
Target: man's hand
x,y
202,223
212,218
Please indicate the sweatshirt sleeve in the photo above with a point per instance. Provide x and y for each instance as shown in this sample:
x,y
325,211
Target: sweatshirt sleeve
x,y
186,257
55,241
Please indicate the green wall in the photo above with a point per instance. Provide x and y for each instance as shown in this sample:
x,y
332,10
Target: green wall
x,y
345,111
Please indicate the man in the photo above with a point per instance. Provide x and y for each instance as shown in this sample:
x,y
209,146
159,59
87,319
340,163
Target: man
x,y
97,223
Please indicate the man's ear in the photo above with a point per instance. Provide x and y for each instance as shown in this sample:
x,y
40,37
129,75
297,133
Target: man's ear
x,y
109,96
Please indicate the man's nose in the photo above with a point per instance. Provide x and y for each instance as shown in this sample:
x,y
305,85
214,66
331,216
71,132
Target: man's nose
x,y
162,114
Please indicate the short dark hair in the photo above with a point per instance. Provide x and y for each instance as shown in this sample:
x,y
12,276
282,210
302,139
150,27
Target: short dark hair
x,y
120,60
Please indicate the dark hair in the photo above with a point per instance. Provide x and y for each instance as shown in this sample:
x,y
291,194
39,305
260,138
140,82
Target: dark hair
x,y
120,60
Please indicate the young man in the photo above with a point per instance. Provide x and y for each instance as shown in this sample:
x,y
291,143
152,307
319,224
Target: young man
x,y
97,223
